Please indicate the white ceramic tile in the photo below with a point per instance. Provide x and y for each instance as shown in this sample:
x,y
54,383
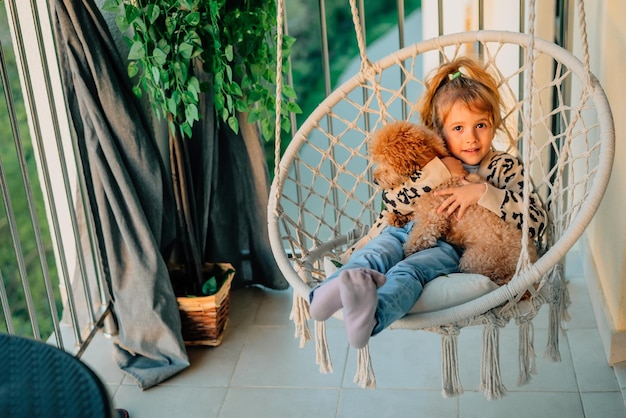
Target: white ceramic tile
x,y
522,405
604,405
170,401
99,357
592,370
383,403
273,357
551,376
244,304
213,366
260,370
620,373
279,402
402,359
581,309
275,308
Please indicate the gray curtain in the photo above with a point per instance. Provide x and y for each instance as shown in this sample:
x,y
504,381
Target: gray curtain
x,y
131,200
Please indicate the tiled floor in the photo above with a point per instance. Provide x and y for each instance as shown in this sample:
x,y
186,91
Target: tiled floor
x,y
260,371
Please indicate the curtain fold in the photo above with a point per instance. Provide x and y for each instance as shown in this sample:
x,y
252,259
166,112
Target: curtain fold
x,y
130,195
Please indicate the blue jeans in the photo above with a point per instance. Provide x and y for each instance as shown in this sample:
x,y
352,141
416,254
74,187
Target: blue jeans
x,y
406,277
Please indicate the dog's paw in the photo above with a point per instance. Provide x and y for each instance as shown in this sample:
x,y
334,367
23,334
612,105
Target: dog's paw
x,y
415,244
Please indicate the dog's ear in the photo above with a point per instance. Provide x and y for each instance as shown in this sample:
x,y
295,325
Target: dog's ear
x,y
394,146
437,143
406,147
426,145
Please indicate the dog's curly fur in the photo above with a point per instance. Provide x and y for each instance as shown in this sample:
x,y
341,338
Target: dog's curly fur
x,y
491,245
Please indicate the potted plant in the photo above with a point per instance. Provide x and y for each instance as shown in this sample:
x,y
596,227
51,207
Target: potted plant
x,y
170,42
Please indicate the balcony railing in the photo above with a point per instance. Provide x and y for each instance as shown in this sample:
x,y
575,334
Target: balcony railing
x,y
51,285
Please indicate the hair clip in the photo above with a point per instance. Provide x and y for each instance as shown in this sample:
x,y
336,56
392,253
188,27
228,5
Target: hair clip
x,y
455,75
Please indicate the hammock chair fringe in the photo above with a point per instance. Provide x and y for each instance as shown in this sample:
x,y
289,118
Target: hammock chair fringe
x,y
300,316
322,353
527,356
365,377
559,302
450,379
490,377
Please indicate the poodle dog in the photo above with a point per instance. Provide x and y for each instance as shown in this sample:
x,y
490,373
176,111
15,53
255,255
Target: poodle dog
x,y
491,245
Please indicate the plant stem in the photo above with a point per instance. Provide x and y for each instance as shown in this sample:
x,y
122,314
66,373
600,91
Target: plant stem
x,y
183,210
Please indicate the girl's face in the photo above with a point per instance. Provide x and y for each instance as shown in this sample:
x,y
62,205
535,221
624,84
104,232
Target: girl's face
x,y
468,134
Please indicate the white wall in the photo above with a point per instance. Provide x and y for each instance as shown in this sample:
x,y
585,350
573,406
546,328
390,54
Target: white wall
x,y
606,271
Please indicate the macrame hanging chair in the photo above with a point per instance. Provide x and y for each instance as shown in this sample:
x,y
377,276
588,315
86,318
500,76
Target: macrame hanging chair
x,y
323,199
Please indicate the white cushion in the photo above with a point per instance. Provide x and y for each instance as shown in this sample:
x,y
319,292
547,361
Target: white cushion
x,y
444,291
452,290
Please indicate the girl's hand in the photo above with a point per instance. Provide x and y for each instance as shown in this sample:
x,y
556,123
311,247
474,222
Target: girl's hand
x,y
461,197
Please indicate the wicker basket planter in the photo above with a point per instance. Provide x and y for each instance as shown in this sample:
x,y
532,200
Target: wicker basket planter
x,y
204,318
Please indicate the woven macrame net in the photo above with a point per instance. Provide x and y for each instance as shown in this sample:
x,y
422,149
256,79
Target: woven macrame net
x,y
323,197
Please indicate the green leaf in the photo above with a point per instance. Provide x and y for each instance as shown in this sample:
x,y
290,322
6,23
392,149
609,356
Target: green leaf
x,y
193,87
234,124
288,42
289,92
293,107
185,50
235,90
193,19
172,106
186,4
133,69
219,101
137,91
285,124
254,96
210,286
181,72
170,25
153,12
134,16
111,6
188,97
122,23
241,106
218,80
136,51
267,130
156,75
185,130
253,116
191,113
159,56
229,53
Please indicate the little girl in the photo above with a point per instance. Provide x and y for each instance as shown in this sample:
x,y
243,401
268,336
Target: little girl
x,y
378,285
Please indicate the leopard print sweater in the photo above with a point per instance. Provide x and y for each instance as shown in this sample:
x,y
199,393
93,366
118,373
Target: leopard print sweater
x,y
504,196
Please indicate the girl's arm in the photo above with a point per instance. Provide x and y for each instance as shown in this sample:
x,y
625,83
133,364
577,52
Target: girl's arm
x,y
398,199
504,194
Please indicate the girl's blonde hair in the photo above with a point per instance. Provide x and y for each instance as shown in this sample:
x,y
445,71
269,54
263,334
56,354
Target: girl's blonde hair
x,y
461,79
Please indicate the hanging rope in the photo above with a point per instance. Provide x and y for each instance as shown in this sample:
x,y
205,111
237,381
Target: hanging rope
x,y
527,141
280,14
